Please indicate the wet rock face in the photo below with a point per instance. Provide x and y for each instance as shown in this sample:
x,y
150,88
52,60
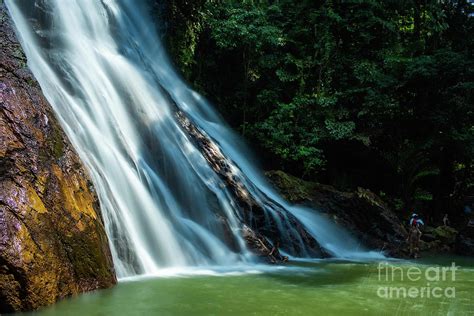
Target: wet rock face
x,y
259,229
52,240
361,212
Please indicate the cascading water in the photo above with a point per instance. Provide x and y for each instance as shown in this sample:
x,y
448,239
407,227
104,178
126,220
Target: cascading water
x,y
103,69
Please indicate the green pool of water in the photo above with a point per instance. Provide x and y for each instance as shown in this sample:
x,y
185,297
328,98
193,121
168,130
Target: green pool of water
x,y
322,288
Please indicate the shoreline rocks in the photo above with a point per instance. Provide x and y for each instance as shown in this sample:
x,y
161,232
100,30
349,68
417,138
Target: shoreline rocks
x,y
362,213
370,220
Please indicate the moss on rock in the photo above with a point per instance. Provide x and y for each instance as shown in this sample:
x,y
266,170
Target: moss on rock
x,y
362,212
292,188
52,239
445,233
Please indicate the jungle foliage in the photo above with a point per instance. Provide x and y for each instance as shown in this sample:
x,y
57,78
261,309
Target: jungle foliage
x,y
366,93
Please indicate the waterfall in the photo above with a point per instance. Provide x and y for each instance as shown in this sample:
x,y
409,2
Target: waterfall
x,y
103,69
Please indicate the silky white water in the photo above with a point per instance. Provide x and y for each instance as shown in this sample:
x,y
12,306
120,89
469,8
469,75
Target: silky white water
x,y
103,69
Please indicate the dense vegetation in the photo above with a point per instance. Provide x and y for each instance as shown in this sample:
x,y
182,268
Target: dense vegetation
x,y
366,93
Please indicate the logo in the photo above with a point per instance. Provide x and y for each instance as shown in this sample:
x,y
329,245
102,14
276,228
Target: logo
x,y
404,282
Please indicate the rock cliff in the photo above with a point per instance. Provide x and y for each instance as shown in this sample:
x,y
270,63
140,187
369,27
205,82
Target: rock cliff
x,y
52,239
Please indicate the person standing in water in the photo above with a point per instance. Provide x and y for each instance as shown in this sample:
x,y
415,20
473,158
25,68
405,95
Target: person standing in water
x,y
414,235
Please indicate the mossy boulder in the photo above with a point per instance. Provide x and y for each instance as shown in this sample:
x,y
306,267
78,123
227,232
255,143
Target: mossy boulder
x,y
446,234
293,189
52,239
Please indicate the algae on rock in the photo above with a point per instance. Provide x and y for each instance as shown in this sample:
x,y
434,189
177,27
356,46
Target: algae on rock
x,y
52,239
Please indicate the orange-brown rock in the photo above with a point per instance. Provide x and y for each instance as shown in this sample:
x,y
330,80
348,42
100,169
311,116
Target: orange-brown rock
x,y
52,239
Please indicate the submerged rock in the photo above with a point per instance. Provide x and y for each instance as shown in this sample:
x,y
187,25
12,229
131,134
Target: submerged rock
x,y
361,212
52,239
